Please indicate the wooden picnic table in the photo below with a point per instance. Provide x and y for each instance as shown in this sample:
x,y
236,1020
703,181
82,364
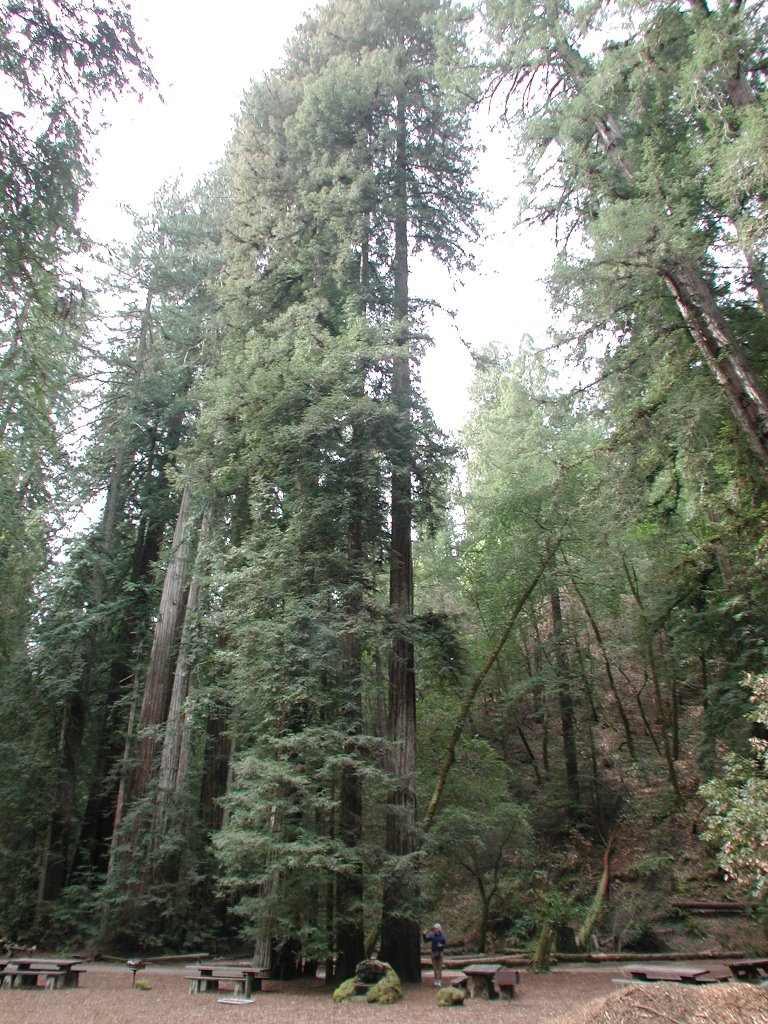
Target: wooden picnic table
x,y
748,970
24,971
243,978
654,972
478,979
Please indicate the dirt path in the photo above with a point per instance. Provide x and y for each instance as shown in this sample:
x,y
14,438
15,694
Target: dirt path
x,y
105,996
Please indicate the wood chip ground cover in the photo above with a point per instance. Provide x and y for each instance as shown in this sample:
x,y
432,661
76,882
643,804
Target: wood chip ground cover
x,y
733,1003
565,996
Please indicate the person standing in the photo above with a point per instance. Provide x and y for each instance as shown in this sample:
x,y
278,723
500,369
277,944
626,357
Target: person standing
x,y
438,940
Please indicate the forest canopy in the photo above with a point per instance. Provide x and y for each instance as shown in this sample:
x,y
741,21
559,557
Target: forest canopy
x,y
313,670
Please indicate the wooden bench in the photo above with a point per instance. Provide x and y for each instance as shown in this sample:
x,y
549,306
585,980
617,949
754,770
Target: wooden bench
x,y
652,972
748,970
244,980
505,980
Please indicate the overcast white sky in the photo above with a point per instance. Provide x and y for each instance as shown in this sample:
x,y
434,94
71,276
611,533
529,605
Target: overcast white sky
x,y
205,56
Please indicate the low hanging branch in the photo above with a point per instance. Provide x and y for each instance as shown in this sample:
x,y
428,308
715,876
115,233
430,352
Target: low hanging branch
x,y
466,707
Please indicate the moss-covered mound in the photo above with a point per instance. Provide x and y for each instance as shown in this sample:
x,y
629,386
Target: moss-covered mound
x,y
345,992
388,989
450,997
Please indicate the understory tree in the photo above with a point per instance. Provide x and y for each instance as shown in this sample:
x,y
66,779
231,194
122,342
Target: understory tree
x,y
610,568
736,801
635,122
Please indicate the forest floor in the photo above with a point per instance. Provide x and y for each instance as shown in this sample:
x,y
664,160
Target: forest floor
x,y
567,995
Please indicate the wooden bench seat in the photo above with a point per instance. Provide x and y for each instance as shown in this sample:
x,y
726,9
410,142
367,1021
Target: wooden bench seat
x,y
505,980
748,970
652,972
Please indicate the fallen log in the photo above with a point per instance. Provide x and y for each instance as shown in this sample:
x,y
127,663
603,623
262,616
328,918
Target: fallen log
x,y
713,907
520,958
707,954
186,957
515,959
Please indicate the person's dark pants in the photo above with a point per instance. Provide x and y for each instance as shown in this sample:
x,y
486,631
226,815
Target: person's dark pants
x,y
437,965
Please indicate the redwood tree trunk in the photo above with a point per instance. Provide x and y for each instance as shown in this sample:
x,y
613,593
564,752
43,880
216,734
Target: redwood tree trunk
x,y
174,756
722,354
400,926
159,682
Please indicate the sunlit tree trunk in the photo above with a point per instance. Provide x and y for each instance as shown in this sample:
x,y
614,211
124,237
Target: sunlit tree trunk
x,y
158,687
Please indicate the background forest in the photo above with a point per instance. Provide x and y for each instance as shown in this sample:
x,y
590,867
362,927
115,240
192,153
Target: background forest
x,y
281,663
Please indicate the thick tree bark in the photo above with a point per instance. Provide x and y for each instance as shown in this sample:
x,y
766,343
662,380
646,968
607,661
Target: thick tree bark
x,y
158,687
106,798
174,755
722,353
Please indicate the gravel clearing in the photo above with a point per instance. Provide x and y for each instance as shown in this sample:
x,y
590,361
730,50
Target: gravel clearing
x,y
577,995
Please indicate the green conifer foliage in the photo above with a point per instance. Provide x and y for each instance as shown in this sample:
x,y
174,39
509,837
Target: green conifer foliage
x,y
89,634
347,160
633,116
57,61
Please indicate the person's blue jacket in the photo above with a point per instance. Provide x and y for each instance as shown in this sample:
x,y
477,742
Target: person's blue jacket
x,y
437,939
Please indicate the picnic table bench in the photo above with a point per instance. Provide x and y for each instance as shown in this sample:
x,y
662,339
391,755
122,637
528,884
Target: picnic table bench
x,y
24,972
748,970
208,978
505,980
488,981
653,972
